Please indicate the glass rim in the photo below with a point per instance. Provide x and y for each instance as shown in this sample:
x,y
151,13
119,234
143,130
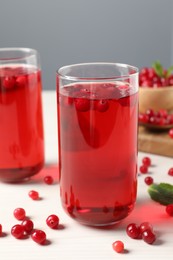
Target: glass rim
x,y
60,73
25,53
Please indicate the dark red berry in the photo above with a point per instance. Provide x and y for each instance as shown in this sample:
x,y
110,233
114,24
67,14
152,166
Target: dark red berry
x,y
150,112
170,172
169,210
143,118
38,236
146,161
52,221
33,195
118,246
9,82
0,229
19,213
102,105
17,231
21,81
143,169
171,132
145,226
148,180
148,236
133,231
48,180
28,225
82,104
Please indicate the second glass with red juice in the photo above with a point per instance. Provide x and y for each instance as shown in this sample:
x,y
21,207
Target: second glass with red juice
x,y
97,127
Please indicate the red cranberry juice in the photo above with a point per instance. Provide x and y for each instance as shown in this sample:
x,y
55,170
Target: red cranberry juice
x,y
21,129
98,151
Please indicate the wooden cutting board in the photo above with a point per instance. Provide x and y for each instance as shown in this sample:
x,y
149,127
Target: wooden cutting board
x,y
155,142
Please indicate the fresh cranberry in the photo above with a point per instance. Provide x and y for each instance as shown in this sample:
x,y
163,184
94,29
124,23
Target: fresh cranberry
x,y
0,229
144,71
48,180
148,180
82,104
170,119
163,113
8,82
52,221
145,226
143,169
171,132
169,210
164,82
148,236
150,112
38,236
102,105
21,81
170,172
143,118
133,231
33,195
146,161
118,246
146,83
19,213
17,231
27,225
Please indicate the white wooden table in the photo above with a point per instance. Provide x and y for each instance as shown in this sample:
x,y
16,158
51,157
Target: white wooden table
x,y
74,241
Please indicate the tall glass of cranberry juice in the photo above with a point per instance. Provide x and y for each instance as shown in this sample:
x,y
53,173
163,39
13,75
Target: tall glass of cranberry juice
x,y
97,132
21,126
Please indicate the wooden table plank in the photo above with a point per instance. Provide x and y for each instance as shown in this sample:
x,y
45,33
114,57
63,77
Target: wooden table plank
x,y
156,142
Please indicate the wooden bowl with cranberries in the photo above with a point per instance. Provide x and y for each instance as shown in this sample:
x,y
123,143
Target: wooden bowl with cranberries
x,y
156,96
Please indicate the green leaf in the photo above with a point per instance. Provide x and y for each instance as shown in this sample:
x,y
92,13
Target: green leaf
x,y
169,71
158,68
162,193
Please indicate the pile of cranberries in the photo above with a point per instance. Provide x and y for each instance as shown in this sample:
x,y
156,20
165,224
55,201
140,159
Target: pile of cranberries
x,y
144,231
160,118
148,77
26,227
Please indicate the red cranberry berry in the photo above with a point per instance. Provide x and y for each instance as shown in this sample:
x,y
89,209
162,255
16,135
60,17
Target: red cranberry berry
x,y
0,229
17,231
169,210
143,169
146,161
34,195
9,82
21,81
102,105
19,213
82,104
150,112
38,236
27,225
133,231
145,226
170,172
171,132
118,246
48,180
52,221
148,236
148,180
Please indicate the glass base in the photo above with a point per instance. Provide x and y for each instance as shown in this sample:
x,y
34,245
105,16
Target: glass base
x,y
99,217
14,175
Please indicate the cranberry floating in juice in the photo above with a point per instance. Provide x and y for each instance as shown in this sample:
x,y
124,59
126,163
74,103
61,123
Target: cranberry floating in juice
x,y
97,128
21,127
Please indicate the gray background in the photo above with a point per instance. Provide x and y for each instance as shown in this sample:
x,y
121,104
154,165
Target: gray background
x,y
72,31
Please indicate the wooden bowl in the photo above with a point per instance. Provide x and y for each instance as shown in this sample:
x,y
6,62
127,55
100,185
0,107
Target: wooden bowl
x,y
155,98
